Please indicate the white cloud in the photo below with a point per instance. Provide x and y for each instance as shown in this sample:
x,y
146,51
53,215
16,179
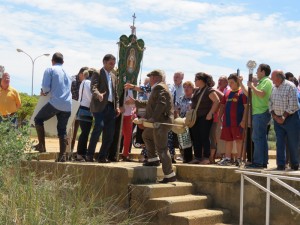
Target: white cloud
x,y
270,39
182,35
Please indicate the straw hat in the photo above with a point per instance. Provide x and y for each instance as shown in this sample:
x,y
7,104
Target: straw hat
x,y
179,129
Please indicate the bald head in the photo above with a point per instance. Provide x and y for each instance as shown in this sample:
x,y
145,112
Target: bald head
x,y
178,77
5,80
277,77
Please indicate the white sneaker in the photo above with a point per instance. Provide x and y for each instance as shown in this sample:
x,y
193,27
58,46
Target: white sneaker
x,y
225,162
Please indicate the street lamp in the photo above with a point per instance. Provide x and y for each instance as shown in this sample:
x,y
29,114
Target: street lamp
x,y
33,61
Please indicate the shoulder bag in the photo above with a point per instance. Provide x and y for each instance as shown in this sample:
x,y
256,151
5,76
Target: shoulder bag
x,y
191,115
84,113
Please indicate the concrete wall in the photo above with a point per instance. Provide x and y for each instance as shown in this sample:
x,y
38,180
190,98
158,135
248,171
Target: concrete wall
x,y
223,184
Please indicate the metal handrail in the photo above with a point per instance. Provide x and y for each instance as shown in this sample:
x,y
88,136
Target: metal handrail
x,y
277,179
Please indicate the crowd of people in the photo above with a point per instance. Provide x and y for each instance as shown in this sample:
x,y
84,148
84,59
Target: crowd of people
x,y
232,122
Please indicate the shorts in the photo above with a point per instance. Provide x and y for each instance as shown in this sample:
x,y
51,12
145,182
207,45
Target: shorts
x,y
232,133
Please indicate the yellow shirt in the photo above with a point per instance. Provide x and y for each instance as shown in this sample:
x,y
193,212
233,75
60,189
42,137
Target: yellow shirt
x,y
10,101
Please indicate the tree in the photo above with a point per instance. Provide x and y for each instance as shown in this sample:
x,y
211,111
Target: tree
x,y
27,108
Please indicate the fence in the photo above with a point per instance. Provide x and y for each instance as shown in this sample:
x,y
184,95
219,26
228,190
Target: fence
x,y
278,179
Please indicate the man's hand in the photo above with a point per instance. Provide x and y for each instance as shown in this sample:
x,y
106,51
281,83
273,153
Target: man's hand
x,y
128,86
42,93
118,112
278,119
122,109
250,84
101,96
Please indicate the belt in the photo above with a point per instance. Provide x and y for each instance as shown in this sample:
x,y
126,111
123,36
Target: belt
x,y
83,107
287,116
110,103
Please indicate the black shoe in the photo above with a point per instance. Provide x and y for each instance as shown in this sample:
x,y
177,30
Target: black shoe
x,y
294,167
280,167
113,159
80,158
89,159
254,166
61,158
126,159
265,166
167,180
154,163
103,160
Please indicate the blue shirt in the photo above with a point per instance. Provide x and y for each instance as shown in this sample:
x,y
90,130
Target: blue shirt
x,y
57,84
110,88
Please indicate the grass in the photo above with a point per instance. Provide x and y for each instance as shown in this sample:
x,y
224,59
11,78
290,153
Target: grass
x,y
30,199
37,200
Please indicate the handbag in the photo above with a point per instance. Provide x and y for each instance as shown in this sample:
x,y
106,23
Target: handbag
x,y
84,113
184,139
191,115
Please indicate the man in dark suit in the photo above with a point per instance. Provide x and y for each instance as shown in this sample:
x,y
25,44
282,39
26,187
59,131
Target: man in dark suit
x,y
105,108
159,108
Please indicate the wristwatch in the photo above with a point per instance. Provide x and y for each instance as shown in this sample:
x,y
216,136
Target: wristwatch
x,y
283,117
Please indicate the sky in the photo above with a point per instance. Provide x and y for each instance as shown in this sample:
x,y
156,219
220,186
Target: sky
x,y
216,37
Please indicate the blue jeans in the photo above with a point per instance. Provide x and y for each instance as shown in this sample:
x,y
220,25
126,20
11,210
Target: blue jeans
x,y
104,121
259,137
12,119
47,112
288,133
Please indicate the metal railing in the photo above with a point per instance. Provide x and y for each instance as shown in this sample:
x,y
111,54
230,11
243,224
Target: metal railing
x,y
278,179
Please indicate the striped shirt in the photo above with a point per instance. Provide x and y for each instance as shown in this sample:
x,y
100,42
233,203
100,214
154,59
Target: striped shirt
x,y
284,98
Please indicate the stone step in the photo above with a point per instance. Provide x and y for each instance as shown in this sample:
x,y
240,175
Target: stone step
x,y
134,156
228,224
150,191
174,204
197,217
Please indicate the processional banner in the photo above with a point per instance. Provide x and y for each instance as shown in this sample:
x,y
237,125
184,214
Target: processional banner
x,y
130,56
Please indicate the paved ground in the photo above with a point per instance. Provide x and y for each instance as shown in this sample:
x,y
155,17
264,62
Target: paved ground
x,y
52,145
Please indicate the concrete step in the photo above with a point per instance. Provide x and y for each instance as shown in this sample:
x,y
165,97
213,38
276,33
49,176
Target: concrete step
x,y
197,217
228,224
173,204
135,156
150,191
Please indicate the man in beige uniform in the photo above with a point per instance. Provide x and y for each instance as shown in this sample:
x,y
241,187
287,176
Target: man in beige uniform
x,y
159,108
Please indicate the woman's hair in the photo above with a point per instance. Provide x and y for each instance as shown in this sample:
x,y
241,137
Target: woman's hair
x,y
295,81
234,77
82,69
86,74
188,83
206,78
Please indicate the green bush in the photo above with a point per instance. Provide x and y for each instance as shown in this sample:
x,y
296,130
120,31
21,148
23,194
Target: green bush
x,y
13,143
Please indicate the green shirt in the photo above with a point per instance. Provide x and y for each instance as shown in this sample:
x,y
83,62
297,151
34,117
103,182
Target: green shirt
x,y
261,105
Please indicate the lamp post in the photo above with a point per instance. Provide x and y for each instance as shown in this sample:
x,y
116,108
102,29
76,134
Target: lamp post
x,y
33,61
